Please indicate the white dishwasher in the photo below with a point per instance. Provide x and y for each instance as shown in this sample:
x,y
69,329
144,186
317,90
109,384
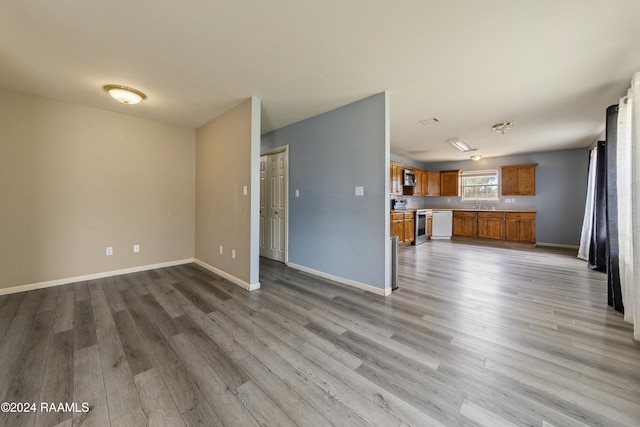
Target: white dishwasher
x,y
442,225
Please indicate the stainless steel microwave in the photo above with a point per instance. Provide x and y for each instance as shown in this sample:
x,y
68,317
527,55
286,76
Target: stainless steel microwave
x,y
409,178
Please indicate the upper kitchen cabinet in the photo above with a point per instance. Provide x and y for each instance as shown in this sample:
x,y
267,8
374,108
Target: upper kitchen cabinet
x,y
395,178
450,183
421,183
433,183
519,180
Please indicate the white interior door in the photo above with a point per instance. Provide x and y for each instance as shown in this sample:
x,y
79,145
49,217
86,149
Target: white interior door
x,y
263,205
273,195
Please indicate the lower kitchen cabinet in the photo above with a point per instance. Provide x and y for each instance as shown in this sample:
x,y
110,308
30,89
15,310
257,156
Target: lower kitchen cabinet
x,y
409,228
491,225
403,225
520,227
397,225
465,224
517,227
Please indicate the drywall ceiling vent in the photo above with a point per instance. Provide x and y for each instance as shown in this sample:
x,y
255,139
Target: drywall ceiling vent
x,y
431,121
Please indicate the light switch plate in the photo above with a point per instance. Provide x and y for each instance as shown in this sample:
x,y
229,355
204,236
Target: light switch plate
x,y
359,191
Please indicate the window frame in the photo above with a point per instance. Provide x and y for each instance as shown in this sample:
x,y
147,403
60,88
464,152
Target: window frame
x,y
478,173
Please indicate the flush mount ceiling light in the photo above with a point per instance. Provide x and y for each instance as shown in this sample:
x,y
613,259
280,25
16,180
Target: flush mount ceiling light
x,y
460,145
502,127
476,157
126,95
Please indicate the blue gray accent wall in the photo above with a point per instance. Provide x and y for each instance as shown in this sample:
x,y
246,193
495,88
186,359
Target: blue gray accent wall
x,y
561,189
331,230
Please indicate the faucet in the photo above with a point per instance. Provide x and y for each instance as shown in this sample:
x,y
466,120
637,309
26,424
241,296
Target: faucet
x,y
476,204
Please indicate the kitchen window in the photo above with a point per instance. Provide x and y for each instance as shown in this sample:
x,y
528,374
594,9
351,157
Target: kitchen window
x,y
480,185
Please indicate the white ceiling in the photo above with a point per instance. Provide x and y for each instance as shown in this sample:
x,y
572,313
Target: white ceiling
x,y
550,66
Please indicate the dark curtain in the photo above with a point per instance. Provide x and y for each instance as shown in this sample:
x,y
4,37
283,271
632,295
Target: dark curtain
x,y
598,249
612,253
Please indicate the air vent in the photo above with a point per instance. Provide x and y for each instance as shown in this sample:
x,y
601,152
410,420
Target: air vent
x,y
430,121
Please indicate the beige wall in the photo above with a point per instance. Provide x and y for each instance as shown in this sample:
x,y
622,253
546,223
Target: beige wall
x,y
74,180
227,161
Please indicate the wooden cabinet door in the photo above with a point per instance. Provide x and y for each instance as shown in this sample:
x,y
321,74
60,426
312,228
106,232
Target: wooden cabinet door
x,y
409,227
395,177
491,225
397,226
527,180
417,190
509,181
465,224
429,225
433,183
449,183
520,227
519,180
423,182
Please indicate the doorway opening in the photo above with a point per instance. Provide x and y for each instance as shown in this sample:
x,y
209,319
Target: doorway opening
x,y
274,209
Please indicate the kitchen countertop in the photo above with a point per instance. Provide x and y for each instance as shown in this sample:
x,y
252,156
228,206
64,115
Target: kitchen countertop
x,y
467,210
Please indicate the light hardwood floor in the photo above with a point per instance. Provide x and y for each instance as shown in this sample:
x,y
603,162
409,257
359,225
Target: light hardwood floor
x,y
474,336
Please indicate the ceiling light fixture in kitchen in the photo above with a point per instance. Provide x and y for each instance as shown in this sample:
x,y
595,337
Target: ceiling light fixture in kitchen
x,y
124,94
476,157
460,145
502,127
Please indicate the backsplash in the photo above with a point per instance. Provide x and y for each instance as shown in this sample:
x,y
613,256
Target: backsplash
x,y
515,203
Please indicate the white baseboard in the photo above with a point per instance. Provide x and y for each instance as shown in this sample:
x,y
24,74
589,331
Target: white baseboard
x,y
370,288
229,277
557,245
67,280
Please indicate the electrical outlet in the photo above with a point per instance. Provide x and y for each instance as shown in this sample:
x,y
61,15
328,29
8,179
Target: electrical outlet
x,y
221,250
244,190
297,193
136,249
359,191
109,251
233,253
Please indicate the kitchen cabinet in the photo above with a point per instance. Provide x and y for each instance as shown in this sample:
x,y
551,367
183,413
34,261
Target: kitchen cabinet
x,y
449,183
465,224
409,228
433,183
519,180
520,227
516,227
403,225
491,225
395,178
397,225
421,183
429,224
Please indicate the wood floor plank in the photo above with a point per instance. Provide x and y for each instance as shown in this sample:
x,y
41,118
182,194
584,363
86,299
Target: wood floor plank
x,y
222,400
63,320
228,370
122,395
27,379
57,383
156,400
291,403
101,309
84,326
88,387
261,407
133,344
